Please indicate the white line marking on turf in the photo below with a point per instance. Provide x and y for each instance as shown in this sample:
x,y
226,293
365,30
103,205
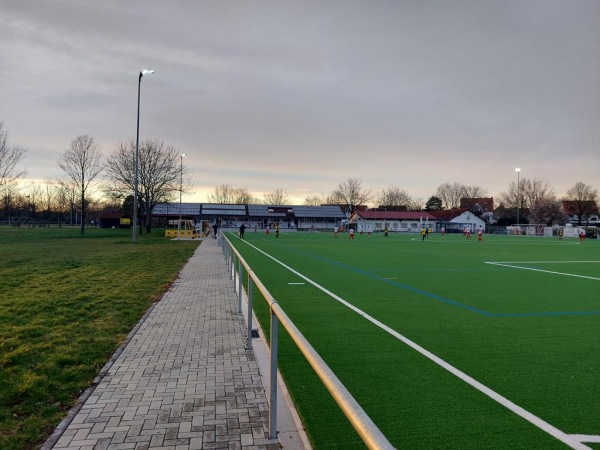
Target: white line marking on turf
x,y
296,283
541,262
586,438
538,422
540,270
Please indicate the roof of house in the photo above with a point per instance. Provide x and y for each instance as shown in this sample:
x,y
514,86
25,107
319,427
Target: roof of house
x,y
251,210
486,203
394,215
451,214
447,214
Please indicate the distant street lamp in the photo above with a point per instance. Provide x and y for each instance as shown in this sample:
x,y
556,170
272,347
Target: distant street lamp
x,y
518,170
137,157
180,193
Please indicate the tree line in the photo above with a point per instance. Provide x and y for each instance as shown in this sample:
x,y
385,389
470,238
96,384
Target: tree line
x,y
162,176
533,198
92,183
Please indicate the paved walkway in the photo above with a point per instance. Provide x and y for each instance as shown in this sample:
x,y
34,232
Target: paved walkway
x,y
184,380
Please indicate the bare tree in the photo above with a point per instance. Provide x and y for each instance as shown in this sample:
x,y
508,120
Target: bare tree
x,y
160,173
225,194
547,210
416,204
394,197
534,189
474,191
10,158
526,193
277,197
83,164
35,199
350,193
244,197
62,196
45,193
583,201
314,200
10,195
451,194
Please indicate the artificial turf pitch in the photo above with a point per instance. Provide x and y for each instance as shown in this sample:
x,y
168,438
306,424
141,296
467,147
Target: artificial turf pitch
x,y
518,314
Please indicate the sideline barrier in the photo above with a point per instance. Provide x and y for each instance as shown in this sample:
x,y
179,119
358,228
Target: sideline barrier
x,y
188,234
362,423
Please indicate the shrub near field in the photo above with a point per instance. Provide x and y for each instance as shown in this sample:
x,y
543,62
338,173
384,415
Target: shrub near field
x,y
67,301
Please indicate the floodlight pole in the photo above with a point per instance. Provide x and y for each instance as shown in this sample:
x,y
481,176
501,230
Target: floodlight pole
x,y
137,158
180,194
518,170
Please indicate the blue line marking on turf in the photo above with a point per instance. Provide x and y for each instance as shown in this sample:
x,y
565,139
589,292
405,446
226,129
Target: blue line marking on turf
x,y
439,297
549,313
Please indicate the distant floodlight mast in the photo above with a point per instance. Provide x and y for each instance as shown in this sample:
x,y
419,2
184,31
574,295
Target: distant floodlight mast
x,y
137,157
518,170
180,193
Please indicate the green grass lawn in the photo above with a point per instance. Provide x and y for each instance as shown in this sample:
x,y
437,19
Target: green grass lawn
x,y
528,329
67,301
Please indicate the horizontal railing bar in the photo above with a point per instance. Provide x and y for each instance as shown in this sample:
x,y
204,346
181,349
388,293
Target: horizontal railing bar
x,y
362,423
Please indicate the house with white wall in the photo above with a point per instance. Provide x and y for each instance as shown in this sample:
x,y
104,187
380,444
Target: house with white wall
x,y
395,221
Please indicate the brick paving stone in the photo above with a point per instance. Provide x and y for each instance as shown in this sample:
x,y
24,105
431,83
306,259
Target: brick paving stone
x,y
184,380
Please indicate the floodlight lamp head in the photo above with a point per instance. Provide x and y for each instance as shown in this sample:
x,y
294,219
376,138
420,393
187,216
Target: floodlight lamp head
x,y
183,154
145,72
518,169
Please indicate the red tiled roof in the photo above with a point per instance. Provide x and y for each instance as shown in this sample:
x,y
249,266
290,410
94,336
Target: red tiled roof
x,y
447,214
487,203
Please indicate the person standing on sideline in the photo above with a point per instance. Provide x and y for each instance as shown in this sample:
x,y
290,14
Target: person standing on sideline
x,y
560,234
277,230
267,231
242,230
423,233
351,232
385,232
215,230
335,232
369,230
480,235
443,230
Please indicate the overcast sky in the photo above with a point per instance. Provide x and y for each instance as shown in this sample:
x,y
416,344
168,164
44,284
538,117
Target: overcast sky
x,y
303,95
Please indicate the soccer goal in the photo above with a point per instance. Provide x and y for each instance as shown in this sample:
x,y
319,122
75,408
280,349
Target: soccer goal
x,y
533,229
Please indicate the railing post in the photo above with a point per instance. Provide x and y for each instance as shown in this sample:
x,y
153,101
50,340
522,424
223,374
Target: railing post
x,y
240,284
249,321
229,259
232,270
273,376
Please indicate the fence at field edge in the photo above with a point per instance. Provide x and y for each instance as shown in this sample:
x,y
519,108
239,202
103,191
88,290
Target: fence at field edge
x,y
358,418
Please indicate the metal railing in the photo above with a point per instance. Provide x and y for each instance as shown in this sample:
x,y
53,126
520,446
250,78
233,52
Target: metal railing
x,y
362,423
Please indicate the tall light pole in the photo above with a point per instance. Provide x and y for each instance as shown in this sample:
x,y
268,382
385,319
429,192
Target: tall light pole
x,y
180,193
518,170
137,157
